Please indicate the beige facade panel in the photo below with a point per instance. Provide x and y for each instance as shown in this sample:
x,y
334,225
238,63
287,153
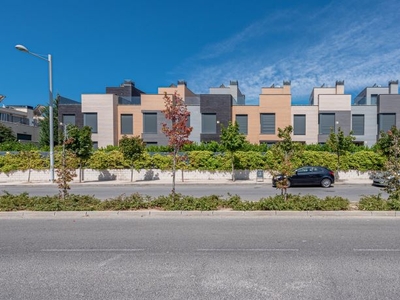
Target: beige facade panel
x,y
334,102
311,114
136,112
253,121
284,90
153,102
105,105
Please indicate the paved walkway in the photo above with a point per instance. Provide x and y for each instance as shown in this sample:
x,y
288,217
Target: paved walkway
x,y
178,182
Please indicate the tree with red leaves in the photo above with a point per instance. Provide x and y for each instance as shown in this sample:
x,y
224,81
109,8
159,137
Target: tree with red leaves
x,y
178,130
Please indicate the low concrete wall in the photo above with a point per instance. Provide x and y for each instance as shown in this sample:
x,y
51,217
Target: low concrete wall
x,y
157,174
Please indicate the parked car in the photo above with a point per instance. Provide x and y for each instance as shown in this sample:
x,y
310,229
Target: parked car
x,y
309,175
381,178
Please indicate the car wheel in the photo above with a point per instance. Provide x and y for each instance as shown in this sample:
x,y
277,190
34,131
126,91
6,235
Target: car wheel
x,y
288,183
326,182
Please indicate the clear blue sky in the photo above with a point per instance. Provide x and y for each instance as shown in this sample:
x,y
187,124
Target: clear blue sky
x,y
100,43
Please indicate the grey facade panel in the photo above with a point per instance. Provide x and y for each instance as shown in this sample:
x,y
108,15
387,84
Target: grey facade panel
x,y
390,104
342,119
370,123
195,123
158,137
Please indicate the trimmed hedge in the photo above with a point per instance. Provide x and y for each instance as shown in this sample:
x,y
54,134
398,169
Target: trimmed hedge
x,y
9,202
198,160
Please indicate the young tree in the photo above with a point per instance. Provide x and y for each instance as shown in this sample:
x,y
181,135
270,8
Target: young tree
x,y
285,152
80,144
232,140
340,144
6,134
177,131
132,148
389,145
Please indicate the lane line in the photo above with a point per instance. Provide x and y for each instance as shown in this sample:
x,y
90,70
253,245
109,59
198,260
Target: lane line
x,y
247,250
376,250
92,250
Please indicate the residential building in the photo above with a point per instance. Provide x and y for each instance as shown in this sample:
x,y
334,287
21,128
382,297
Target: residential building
x,y
22,120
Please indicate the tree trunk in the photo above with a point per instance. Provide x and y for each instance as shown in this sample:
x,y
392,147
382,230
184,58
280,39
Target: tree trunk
x,y
233,168
131,173
173,172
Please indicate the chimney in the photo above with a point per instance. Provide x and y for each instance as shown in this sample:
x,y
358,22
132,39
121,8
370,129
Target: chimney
x,y
339,87
393,87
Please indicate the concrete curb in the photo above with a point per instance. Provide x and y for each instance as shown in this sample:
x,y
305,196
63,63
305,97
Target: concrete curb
x,y
177,214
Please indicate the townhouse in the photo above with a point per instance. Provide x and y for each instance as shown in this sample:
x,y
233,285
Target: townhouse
x,y
126,110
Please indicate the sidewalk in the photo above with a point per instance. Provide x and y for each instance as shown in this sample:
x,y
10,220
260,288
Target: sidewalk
x,y
164,181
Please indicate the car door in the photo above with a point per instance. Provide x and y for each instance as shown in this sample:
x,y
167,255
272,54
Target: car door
x,y
315,175
300,177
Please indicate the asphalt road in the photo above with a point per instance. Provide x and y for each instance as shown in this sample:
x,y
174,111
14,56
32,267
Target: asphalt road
x,y
247,191
200,258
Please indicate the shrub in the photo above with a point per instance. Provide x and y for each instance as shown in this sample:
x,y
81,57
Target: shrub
x,y
373,202
123,202
335,203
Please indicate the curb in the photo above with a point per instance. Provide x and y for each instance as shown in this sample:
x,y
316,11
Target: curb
x,y
175,214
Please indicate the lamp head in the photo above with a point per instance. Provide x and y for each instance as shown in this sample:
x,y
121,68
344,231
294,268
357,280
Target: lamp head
x,y
21,48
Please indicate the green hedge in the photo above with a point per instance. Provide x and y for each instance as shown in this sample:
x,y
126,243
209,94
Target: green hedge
x,y
197,160
9,202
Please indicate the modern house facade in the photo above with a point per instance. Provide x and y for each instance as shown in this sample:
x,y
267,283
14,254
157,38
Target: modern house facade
x,y
126,110
22,120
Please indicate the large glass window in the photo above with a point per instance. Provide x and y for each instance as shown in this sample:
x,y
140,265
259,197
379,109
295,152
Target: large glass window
x,y
357,124
326,123
299,124
90,119
386,121
126,124
149,122
242,122
68,119
374,99
209,123
267,123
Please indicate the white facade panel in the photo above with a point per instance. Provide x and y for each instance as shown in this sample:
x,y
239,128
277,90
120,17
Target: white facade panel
x,y
311,113
105,105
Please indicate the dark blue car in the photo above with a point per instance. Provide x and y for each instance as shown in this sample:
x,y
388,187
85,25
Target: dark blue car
x,y
308,175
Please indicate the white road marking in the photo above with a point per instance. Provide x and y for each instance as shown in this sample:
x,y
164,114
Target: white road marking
x,y
247,250
92,250
376,250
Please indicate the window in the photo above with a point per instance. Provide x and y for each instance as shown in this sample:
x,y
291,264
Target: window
x,y
357,124
299,124
68,119
242,121
95,145
267,123
209,123
386,121
326,123
90,119
126,124
374,99
149,122
24,137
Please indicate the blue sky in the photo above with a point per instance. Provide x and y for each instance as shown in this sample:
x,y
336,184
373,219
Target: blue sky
x,y
101,43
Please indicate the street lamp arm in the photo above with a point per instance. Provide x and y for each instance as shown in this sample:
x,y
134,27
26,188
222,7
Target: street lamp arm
x,y
24,49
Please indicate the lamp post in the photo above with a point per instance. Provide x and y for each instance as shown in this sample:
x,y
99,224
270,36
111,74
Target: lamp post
x,y
51,128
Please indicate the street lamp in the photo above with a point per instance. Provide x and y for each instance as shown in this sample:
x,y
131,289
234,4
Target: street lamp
x,y
51,129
